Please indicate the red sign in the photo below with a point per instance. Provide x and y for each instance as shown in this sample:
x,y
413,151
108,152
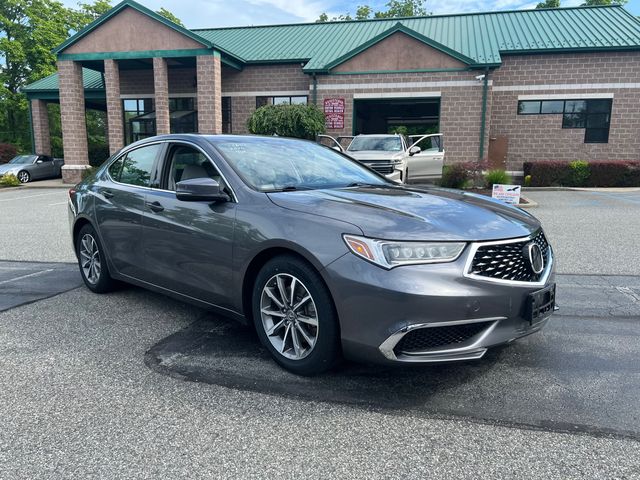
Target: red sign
x,y
334,113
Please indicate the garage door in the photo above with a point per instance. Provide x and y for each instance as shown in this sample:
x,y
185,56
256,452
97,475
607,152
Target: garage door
x,y
409,115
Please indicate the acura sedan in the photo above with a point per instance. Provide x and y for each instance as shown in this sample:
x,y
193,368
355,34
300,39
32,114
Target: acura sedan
x,y
324,257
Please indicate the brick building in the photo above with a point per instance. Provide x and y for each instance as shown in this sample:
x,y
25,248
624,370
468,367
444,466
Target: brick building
x,y
509,87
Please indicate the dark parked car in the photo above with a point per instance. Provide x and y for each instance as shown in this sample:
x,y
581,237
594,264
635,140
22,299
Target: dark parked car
x,y
32,167
323,256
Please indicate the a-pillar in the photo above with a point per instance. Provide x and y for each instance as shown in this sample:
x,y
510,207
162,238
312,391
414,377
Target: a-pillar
x,y
40,122
161,92
209,78
115,130
73,119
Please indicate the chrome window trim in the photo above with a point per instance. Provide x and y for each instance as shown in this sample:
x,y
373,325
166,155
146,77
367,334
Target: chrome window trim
x,y
386,348
473,248
234,197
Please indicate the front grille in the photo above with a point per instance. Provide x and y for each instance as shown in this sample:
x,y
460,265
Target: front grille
x,y
508,261
383,167
424,339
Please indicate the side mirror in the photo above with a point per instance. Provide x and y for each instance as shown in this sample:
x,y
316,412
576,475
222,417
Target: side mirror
x,y
200,189
414,150
337,149
39,160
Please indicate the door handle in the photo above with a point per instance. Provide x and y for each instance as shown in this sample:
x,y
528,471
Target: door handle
x,y
107,193
155,206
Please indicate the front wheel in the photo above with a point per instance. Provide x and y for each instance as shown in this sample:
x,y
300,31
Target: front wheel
x,y
294,316
23,176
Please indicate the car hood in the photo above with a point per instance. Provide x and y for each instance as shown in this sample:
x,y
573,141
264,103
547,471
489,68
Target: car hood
x,y
374,155
401,213
6,168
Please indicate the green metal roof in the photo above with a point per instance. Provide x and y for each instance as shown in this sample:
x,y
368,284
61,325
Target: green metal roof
x,y
91,79
480,37
477,39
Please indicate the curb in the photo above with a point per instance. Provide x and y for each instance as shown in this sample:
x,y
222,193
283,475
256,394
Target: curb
x,y
530,203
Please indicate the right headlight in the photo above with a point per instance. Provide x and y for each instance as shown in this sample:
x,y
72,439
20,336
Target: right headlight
x,y
389,254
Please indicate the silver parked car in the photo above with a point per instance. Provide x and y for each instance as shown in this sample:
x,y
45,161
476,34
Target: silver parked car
x,y
321,255
32,167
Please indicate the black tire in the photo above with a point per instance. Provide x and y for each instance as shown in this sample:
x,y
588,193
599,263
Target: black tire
x,y
99,281
24,176
325,353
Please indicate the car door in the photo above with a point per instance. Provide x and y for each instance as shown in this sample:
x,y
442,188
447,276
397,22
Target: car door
x,y
188,245
41,168
119,202
428,162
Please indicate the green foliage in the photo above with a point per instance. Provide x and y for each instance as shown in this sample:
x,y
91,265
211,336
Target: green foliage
x,y
169,16
298,121
394,9
89,172
591,3
455,176
549,4
527,181
496,176
9,181
579,173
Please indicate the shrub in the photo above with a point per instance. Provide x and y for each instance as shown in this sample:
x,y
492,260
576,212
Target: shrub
x,y
455,176
7,152
587,174
527,181
298,121
578,173
547,174
496,176
9,181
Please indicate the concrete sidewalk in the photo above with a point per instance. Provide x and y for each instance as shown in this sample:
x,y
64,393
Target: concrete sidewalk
x,y
49,183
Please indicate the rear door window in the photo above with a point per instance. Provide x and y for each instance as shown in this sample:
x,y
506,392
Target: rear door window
x,y
136,167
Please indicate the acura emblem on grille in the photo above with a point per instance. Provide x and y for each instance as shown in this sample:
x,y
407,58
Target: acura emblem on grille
x,y
536,259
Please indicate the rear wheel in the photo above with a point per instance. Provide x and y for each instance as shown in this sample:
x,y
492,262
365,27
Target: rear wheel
x,y
92,262
294,316
23,176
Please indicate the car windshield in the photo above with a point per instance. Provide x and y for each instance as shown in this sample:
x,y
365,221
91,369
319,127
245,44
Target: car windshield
x,y
22,159
381,144
275,164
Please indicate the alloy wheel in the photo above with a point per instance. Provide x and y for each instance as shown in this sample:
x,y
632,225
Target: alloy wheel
x,y
289,316
23,177
90,259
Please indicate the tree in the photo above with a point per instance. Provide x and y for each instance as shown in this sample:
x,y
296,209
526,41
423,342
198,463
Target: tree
x,y
394,9
592,3
169,16
298,121
549,4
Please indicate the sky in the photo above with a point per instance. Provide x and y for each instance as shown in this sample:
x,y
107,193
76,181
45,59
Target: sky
x,y
223,13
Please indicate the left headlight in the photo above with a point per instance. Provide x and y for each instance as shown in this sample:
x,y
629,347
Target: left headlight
x,y
389,254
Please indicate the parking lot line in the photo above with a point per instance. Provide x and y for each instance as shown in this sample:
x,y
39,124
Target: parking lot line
x,y
34,274
28,196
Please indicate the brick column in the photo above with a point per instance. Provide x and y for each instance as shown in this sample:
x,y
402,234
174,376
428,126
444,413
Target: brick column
x,y
74,123
161,90
40,122
115,130
209,78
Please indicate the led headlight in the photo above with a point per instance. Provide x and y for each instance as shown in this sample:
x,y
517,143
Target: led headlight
x,y
389,254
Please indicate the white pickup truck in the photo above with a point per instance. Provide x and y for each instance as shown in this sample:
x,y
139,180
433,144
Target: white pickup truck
x,y
398,157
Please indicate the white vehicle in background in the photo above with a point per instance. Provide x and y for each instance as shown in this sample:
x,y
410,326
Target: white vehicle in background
x,y
398,157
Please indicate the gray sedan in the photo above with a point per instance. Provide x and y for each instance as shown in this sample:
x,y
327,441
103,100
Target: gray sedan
x,y
32,167
324,257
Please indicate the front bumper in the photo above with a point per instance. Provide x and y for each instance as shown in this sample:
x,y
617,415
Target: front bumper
x,y
378,308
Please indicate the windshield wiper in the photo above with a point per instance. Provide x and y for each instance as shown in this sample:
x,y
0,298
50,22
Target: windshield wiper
x,y
290,188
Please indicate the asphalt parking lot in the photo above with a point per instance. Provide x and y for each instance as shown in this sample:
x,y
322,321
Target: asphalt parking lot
x,y
134,385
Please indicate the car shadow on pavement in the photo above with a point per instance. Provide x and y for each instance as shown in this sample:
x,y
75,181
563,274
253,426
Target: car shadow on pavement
x,y
536,382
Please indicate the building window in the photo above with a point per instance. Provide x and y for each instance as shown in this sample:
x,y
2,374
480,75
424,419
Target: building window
x,y
226,115
133,108
594,115
286,100
183,117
